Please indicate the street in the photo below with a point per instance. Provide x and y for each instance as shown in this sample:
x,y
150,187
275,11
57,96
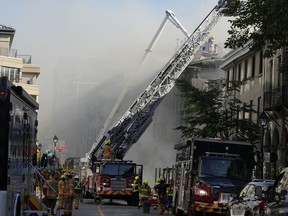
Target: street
x,y
116,208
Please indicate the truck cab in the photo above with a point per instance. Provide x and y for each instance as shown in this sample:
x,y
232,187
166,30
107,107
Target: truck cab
x,y
216,176
114,179
207,171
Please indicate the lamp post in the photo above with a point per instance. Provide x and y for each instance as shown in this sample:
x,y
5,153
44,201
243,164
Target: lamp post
x,y
55,140
262,120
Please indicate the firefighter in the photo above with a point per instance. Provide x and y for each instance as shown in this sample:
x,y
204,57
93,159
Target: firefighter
x,y
161,189
68,194
169,193
136,186
61,187
107,150
51,192
154,193
78,191
144,193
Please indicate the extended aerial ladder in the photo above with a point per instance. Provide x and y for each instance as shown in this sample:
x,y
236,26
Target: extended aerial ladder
x,y
169,15
129,128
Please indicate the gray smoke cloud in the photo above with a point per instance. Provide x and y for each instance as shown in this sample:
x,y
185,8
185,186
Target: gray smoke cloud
x,y
89,52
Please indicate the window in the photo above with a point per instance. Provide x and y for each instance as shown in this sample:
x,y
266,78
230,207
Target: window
x,y
246,70
253,67
251,110
259,105
227,80
13,74
239,72
270,74
261,63
233,74
244,110
279,74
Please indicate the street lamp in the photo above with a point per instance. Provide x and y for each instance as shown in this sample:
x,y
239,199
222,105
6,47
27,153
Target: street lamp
x,y
262,120
55,140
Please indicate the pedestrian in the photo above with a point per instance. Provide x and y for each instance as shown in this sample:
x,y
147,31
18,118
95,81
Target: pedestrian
x,y
161,191
144,193
78,191
51,192
61,187
107,150
135,189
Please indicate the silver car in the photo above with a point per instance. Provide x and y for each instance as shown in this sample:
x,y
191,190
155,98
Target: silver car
x,y
247,203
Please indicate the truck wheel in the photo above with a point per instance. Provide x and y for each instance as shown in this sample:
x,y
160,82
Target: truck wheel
x,y
248,214
129,201
228,213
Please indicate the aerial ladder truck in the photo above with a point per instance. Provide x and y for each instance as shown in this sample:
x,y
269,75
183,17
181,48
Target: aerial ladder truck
x,y
128,129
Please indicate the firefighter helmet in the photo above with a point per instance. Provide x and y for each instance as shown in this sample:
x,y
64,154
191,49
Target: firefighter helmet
x,y
137,177
76,177
107,142
63,176
145,182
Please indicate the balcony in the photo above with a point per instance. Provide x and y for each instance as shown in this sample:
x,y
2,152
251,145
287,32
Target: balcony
x,y
8,52
276,98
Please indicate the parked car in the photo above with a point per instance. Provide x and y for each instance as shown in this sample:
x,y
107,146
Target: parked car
x,y
249,199
278,200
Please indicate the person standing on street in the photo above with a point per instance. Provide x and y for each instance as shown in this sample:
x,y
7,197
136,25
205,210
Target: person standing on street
x,y
78,191
161,191
136,186
68,194
51,192
61,187
144,193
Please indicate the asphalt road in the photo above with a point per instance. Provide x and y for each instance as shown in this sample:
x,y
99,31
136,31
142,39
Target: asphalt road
x,y
114,208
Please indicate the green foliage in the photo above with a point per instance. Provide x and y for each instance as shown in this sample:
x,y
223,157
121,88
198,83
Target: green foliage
x,y
212,112
259,21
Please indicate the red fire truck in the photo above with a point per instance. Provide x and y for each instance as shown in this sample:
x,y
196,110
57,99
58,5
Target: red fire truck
x,y
113,179
207,171
18,132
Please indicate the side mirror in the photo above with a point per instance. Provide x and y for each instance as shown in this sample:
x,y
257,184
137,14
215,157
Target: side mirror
x,y
258,191
234,195
97,169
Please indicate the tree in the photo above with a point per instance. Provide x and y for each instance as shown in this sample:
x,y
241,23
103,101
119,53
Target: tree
x,y
258,22
214,112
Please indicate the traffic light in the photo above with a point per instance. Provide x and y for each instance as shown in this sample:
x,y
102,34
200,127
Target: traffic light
x,y
44,160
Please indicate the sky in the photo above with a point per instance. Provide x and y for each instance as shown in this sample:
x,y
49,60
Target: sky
x,y
93,47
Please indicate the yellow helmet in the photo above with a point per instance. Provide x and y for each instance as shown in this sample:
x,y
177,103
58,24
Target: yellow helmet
x,y
107,142
63,176
137,177
145,181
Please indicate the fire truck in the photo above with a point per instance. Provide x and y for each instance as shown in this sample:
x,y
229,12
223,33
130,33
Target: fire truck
x,y
18,135
114,179
131,125
207,171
